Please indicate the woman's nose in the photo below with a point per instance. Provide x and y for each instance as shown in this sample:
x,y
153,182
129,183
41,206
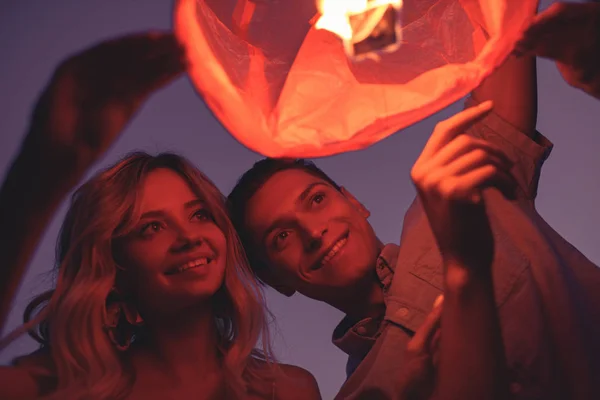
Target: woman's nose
x,y
187,238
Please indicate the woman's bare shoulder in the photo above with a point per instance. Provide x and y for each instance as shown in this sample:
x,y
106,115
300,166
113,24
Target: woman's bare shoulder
x,y
296,383
279,381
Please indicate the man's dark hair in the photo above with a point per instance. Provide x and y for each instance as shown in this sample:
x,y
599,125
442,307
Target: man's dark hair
x,y
247,186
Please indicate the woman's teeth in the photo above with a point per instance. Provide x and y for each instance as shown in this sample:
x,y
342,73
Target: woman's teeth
x,y
192,264
341,243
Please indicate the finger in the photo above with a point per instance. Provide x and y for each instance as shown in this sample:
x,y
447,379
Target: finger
x,y
441,178
129,53
426,331
474,159
159,71
145,43
536,37
540,46
447,130
135,85
434,347
158,67
550,33
137,56
438,301
468,186
124,58
463,145
165,45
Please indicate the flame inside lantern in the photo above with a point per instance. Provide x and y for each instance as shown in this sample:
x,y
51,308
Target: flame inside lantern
x,y
365,26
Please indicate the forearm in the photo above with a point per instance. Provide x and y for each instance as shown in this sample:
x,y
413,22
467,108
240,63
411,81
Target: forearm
x,y
513,89
38,180
472,363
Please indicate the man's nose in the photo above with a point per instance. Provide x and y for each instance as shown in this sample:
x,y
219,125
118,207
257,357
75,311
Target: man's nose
x,y
314,237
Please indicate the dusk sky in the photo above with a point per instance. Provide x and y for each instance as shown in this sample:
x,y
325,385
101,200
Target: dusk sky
x,y
36,35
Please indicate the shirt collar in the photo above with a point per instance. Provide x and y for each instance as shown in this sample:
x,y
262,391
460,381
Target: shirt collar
x,y
356,337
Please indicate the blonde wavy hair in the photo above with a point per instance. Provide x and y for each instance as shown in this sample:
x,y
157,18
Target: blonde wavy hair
x,y
69,321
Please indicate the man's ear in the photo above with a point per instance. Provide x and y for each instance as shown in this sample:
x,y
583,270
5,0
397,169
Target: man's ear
x,y
357,204
268,277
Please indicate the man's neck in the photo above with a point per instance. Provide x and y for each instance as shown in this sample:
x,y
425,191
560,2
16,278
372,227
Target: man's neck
x,y
365,300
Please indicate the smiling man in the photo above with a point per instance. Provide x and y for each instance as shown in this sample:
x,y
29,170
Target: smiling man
x,y
305,233
309,261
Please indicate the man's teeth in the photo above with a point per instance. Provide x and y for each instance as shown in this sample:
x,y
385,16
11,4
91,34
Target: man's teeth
x,y
193,264
334,251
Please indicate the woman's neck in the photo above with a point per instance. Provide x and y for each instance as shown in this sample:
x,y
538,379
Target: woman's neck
x,y
183,345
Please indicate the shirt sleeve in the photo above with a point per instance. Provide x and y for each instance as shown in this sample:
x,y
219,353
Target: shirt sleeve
x,y
527,154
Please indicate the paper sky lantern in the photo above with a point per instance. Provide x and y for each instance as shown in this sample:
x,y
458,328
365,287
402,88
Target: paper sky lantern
x,y
311,78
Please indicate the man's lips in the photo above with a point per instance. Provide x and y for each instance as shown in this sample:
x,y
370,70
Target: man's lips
x,y
330,252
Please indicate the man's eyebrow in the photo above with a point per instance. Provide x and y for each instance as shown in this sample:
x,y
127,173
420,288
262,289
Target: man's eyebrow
x,y
283,220
308,189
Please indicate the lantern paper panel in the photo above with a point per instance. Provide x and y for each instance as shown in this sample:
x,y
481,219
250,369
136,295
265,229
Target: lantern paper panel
x,y
286,81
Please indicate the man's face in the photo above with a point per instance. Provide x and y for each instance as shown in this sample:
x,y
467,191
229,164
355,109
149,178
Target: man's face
x,y
314,238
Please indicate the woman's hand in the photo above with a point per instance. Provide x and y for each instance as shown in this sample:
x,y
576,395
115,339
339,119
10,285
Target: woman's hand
x,y
93,95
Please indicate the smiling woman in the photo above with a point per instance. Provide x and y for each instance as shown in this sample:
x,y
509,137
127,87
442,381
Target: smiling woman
x,y
150,272
153,295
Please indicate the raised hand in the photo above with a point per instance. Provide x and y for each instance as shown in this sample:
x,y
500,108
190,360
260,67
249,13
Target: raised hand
x,y
89,100
568,33
418,378
94,94
450,175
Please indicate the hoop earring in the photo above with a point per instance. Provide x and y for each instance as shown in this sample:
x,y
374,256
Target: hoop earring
x,y
122,320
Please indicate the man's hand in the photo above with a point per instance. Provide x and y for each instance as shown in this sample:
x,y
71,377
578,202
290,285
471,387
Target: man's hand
x,y
450,175
418,378
568,33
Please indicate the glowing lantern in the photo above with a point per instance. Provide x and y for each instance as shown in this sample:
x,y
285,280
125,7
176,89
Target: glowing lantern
x,y
311,78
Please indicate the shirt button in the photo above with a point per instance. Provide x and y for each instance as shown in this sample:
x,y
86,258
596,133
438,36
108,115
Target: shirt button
x,y
402,312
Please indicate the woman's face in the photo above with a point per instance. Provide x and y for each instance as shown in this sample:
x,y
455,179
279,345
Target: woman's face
x,y
176,255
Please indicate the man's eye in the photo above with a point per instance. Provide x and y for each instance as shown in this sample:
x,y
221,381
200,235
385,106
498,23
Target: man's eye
x,y
282,236
279,239
318,198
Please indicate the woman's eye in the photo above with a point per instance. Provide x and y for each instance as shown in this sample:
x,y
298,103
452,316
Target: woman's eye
x,y
151,227
203,215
